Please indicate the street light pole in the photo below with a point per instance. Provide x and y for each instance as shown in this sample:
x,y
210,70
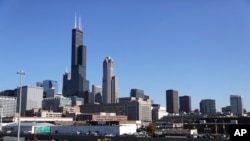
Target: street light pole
x,y
20,73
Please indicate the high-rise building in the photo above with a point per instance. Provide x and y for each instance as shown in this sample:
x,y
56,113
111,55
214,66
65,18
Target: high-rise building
x,y
158,112
185,104
10,93
32,97
87,97
138,93
54,103
172,100
236,104
109,82
75,83
96,94
50,88
226,110
76,101
134,108
207,107
7,106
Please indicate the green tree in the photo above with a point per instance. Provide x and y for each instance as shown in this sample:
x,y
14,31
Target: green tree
x,y
151,129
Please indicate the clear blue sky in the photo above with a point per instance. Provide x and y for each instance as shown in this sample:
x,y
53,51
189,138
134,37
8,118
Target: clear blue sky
x,y
200,48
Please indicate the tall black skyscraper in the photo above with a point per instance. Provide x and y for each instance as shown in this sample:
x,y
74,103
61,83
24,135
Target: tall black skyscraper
x,y
172,101
185,104
75,83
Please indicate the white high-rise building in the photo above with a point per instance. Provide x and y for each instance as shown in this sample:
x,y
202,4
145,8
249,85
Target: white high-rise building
x,y
236,104
109,82
32,97
7,106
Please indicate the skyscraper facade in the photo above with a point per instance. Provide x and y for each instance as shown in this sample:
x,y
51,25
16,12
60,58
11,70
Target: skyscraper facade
x,y
138,93
207,107
8,106
185,104
50,88
236,104
134,108
75,83
172,100
109,82
158,112
96,94
8,93
54,103
32,97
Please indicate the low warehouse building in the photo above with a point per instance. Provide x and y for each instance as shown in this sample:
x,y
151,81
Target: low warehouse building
x,y
36,128
102,130
28,127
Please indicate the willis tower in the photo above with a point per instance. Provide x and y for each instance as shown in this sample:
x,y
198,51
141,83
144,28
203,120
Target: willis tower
x,y
75,83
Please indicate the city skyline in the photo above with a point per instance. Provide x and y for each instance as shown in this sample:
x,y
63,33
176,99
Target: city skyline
x,y
156,46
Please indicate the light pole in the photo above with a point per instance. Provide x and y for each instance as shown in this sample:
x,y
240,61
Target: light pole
x,y
20,73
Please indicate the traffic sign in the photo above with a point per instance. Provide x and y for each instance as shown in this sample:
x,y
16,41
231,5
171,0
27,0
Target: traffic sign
x,y
43,129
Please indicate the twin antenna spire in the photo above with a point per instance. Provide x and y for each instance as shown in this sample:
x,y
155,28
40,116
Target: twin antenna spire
x,y
79,26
